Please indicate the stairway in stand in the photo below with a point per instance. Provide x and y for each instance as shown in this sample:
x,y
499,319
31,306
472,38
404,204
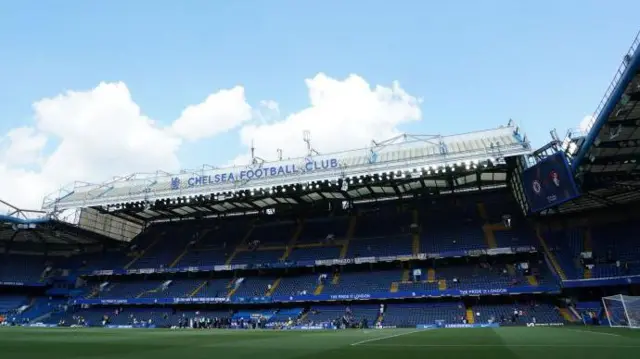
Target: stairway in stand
x,y
319,289
567,315
431,275
470,317
588,246
442,284
294,239
241,245
394,287
405,275
198,289
350,232
274,286
336,278
552,258
415,243
141,254
187,247
482,211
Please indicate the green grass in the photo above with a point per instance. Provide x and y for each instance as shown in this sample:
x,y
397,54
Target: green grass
x,y
520,342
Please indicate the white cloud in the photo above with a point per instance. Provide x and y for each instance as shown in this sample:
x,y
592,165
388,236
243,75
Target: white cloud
x,y
586,123
102,132
22,146
220,112
99,134
342,115
22,188
270,105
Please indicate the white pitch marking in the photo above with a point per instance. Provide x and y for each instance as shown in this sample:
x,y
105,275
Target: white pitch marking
x,y
386,337
500,345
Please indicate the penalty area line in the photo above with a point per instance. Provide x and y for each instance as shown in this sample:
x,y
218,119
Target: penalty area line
x,y
385,337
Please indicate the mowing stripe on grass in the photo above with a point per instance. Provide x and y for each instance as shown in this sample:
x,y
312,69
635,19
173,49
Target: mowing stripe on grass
x,y
386,337
594,332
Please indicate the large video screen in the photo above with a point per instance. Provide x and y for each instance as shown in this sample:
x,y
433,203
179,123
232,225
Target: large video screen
x,y
549,183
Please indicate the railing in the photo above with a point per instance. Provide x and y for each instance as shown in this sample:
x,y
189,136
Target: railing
x,y
614,83
586,128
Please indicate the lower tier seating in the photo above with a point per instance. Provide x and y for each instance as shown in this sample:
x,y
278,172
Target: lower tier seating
x,y
412,314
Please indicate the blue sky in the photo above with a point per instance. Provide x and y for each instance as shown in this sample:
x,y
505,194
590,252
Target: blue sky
x,y
474,64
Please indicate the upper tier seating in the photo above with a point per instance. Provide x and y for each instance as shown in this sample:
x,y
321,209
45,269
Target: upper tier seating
x,y
258,256
316,230
294,285
610,244
367,282
273,234
381,229
215,288
254,287
215,244
21,268
128,289
448,225
315,253
399,244
169,243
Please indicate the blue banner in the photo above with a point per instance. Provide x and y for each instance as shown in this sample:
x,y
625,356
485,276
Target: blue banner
x,y
308,327
39,325
427,326
22,284
151,301
601,282
321,297
136,326
487,325
474,292
457,326
549,183
316,263
418,294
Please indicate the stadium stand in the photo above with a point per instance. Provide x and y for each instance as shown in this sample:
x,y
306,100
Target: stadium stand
x,y
411,232
382,230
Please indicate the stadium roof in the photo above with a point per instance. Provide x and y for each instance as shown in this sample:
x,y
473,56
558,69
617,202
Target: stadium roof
x,y
399,167
369,188
30,226
606,160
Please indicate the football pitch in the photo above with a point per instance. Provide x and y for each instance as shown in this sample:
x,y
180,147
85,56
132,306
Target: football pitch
x,y
520,342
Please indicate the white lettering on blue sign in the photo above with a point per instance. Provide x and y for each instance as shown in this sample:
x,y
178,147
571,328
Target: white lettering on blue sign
x,y
484,291
253,174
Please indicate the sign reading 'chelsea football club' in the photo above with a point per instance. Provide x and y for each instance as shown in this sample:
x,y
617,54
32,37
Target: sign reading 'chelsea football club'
x,y
254,173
